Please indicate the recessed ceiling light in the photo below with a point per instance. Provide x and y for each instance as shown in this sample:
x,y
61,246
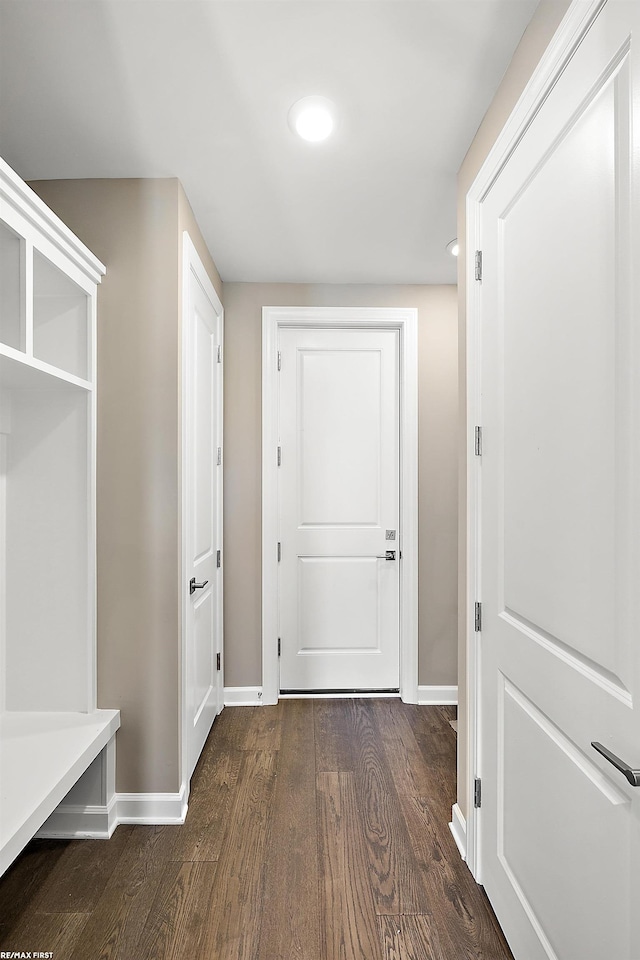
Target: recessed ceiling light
x,y
312,118
453,248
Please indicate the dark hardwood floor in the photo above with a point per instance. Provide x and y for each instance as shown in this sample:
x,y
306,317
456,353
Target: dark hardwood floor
x,y
317,830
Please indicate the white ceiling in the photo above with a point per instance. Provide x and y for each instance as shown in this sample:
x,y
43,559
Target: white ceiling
x,y
200,90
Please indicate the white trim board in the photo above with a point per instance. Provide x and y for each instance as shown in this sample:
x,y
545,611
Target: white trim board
x,y
98,821
152,808
76,822
243,696
577,21
405,320
437,695
14,191
458,827
365,695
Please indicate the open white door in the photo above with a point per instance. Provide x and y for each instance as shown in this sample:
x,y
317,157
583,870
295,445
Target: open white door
x,y
202,505
560,513
339,510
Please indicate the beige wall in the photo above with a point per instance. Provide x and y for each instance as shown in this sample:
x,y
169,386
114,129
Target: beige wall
x,y
438,410
534,42
187,221
135,228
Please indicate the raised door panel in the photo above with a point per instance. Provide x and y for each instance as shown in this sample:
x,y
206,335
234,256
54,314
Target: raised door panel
x,y
339,438
565,345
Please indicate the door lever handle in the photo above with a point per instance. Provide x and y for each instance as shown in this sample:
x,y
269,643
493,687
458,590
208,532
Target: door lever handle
x,y
193,586
633,776
387,555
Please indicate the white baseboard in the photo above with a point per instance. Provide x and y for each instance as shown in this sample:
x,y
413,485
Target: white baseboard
x,y
437,696
252,696
243,696
351,695
152,808
458,827
77,822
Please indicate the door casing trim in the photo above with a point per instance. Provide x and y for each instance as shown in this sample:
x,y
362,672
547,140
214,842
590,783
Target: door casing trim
x,y
577,21
404,320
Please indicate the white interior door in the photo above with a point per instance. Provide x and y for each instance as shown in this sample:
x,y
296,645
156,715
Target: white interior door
x,y
339,509
560,513
202,479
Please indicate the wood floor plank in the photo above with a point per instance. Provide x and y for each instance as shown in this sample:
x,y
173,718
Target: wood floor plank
x,y
53,933
263,731
202,835
82,872
432,772
391,868
175,926
433,732
290,928
334,736
23,882
460,908
232,924
249,728
121,914
348,927
411,938
402,752
229,728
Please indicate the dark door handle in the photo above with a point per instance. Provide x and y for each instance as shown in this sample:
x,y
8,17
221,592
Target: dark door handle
x,y
193,586
633,776
387,555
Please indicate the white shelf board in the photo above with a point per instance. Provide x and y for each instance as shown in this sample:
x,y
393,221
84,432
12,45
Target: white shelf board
x,y
42,755
27,373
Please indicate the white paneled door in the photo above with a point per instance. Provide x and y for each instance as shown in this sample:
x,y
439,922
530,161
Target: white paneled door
x,y
339,509
560,514
202,515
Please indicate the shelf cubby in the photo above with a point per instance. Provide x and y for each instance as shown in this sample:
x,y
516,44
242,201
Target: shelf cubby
x,y
51,730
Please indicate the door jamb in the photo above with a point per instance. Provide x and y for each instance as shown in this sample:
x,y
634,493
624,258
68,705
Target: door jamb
x,y
192,264
572,30
405,320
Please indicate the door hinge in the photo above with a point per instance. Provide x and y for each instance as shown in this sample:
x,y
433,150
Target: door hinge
x,y
218,558
279,648
478,441
478,264
279,360
219,455
477,792
279,551
219,353
279,456
217,661
478,618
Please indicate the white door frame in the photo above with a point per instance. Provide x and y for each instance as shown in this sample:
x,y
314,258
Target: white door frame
x,y
577,21
404,320
192,264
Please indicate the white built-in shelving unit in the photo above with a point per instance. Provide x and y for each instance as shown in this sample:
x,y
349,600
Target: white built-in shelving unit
x,y
50,727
